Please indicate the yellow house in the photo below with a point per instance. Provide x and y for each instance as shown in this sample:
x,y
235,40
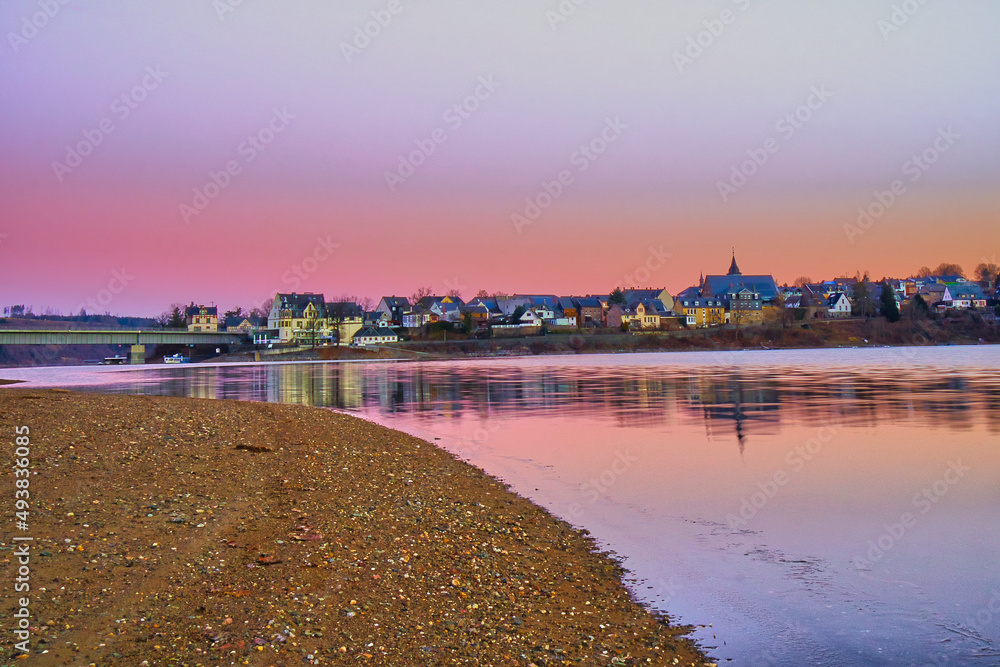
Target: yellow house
x,y
701,312
307,327
647,317
296,316
202,318
639,316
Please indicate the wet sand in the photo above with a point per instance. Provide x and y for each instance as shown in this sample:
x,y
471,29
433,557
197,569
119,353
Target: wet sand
x,y
202,532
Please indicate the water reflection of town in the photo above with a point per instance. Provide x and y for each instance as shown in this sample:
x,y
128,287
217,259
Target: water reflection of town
x,y
733,401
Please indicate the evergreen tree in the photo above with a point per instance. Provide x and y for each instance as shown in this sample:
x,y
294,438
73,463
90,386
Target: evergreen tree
x,y
919,308
617,296
888,306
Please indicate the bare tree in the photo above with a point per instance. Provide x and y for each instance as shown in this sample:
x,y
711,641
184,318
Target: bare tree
x,y
341,310
785,315
948,269
264,309
455,292
367,303
986,272
863,304
482,294
802,280
739,311
924,271
420,294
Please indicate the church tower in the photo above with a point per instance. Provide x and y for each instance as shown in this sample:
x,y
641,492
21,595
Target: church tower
x,y
734,270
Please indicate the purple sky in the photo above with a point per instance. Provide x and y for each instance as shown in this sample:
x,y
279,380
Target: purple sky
x,y
667,124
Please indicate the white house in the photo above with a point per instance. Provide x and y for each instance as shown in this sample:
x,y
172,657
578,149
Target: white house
x,y
838,305
530,318
373,336
963,297
418,318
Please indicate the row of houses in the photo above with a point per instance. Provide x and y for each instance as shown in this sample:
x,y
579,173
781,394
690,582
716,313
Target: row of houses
x,y
730,298
838,298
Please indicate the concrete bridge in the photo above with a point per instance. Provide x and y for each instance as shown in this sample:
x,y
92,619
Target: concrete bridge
x,y
137,339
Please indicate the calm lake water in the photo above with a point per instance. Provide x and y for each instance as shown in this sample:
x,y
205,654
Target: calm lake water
x,y
833,507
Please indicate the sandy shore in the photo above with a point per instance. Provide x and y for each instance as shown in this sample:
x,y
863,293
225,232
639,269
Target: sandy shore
x,y
197,532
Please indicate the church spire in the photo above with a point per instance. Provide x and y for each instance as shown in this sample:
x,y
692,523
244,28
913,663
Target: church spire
x,y
734,270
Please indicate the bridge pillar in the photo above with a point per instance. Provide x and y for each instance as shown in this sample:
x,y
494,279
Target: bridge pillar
x,y
137,355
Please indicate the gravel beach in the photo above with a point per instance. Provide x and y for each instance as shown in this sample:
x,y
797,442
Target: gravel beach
x,y
199,532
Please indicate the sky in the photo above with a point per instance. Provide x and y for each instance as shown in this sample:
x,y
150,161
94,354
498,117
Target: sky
x,y
219,151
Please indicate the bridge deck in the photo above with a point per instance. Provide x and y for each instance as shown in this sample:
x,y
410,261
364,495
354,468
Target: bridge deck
x,y
116,337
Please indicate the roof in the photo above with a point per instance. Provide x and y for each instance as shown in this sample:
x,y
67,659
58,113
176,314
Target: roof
x,y
202,310
297,302
566,302
548,300
734,270
967,291
834,298
396,301
369,332
763,285
644,293
701,302
344,309
655,305
588,302
948,280
489,302
692,292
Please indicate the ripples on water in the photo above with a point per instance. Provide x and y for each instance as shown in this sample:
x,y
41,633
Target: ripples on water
x,y
656,454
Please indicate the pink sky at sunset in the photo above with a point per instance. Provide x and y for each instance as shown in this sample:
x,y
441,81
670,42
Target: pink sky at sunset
x,y
198,85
